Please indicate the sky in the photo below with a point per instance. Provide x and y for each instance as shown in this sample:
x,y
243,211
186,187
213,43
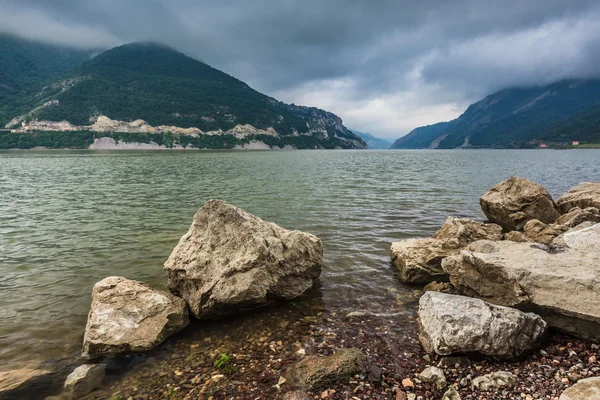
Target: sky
x,y
385,67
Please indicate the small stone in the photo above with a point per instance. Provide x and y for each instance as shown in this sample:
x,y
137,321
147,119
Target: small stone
x,y
406,382
356,314
281,381
433,375
592,360
401,395
411,396
451,394
544,353
301,352
494,380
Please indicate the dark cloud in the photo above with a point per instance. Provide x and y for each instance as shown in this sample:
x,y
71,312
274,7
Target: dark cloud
x,y
384,66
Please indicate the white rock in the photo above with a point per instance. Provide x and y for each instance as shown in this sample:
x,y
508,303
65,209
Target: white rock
x,y
231,260
584,389
587,239
494,380
83,380
561,284
129,316
451,324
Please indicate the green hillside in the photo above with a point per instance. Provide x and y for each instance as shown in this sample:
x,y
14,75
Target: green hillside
x,y
164,87
520,117
26,67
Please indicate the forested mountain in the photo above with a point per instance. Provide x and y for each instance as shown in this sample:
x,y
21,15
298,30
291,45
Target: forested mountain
x,y
558,113
26,67
165,88
372,141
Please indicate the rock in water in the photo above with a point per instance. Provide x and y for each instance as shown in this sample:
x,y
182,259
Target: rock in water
x,y
420,260
584,389
129,316
494,380
451,324
587,239
315,372
562,285
83,380
513,202
586,194
15,379
231,260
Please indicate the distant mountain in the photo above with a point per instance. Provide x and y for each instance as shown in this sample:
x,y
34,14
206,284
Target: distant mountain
x,y
372,141
519,117
151,88
26,66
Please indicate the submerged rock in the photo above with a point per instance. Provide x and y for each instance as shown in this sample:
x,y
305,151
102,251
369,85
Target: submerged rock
x,y
231,260
584,389
451,324
586,194
315,372
587,239
420,260
83,380
129,316
494,380
17,378
513,202
562,285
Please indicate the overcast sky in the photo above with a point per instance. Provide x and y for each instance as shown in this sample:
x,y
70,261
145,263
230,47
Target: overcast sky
x,y
385,67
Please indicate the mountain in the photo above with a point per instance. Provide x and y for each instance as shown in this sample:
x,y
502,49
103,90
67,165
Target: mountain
x,y
557,113
26,67
151,88
372,141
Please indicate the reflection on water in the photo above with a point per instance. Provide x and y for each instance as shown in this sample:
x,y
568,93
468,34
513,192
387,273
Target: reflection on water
x,y
69,219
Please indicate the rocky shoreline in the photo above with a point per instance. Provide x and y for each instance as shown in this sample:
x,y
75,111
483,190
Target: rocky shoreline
x,y
509,311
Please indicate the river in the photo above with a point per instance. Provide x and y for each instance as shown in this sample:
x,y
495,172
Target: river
x,y
71,218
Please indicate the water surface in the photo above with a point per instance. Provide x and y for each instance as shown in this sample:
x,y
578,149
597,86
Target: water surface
x,y
70,218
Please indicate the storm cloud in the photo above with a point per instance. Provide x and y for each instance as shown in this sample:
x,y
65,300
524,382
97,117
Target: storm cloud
x,y
385,67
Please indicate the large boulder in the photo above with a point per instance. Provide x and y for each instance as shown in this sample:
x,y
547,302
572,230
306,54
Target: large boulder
x,y
587,239
420,260
231,260
315,372
560,284
451,324
584,389
586,194
129,316
513,202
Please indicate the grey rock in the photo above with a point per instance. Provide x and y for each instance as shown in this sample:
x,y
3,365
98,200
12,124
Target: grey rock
x,y
513,202
433,375
451,394
584,389
494,380
315,372
83,380
420,260
587,239
584,195
231,260
451,324
561,284
129,316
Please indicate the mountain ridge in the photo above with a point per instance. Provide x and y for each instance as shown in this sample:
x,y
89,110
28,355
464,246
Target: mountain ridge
x,y
155,84
520,117
372,142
